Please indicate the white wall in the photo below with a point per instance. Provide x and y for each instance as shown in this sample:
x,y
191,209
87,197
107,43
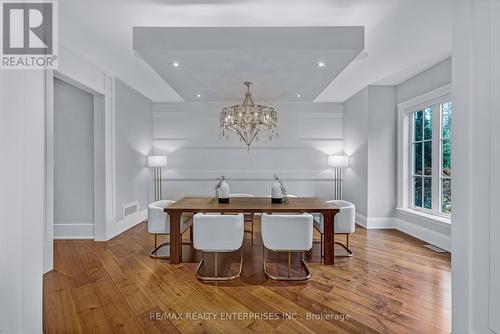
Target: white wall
x,y
188,133
476,154
369,128
356,147
73,161
22,190
381,151
370,139
433,78
134,133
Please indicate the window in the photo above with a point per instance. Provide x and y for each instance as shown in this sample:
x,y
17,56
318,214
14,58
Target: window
x,y
430,174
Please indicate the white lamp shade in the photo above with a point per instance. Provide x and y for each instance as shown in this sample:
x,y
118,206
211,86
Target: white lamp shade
x,y
338,161
157,161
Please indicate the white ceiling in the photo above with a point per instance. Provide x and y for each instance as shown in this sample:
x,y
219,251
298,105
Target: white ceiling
x,y
402,37
282,63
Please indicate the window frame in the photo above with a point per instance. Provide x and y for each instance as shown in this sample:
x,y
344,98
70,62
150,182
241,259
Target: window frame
x,y
436,148
433,99
441,165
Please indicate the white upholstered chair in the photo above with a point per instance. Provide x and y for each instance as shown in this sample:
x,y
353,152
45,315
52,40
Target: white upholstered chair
x,y
159,224
287,233
215,233
344,223
249,217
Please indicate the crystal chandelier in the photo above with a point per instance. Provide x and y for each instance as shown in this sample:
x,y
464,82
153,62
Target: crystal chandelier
x,y
248,120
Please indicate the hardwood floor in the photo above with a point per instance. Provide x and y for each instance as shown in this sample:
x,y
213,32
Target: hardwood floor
x,y
391,285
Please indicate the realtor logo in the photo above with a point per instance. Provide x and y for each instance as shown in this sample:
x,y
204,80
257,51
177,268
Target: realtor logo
x,y
29,34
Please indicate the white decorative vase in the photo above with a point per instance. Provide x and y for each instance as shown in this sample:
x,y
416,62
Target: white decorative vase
x,y
276,193
223,192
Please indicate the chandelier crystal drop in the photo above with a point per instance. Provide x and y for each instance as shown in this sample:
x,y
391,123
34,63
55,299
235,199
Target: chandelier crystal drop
x,y
248,120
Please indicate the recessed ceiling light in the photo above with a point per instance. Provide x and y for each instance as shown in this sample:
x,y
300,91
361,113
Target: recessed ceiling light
x,y
175,64
198,95
298,95
321,64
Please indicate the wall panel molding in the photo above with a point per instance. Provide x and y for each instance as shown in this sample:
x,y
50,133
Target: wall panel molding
x,y
188,133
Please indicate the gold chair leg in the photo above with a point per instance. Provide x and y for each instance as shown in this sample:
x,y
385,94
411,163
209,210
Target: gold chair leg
x,y
154,252
307,277
346,247
349,252
216,278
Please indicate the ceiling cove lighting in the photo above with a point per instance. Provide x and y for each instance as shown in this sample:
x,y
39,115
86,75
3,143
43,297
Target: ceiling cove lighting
x,y
248,120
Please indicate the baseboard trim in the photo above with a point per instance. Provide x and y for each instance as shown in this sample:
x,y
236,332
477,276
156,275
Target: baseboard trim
x,y
374,223
71,231
361,220
74,237
415,230
129,222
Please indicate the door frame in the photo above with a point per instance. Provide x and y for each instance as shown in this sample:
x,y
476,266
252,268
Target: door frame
x,y
101,86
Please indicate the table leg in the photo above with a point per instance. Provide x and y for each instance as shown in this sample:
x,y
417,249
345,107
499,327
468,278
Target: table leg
x,y
175,236
329,237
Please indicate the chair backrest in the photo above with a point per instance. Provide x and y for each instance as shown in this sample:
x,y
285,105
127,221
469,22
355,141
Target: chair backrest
x,y
345,220
217,233
240,195
287,232
158,220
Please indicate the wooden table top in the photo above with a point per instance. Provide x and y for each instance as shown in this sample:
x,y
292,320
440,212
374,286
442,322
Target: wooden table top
x,y
251,204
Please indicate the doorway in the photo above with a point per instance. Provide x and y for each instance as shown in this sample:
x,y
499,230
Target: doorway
x,y
73,162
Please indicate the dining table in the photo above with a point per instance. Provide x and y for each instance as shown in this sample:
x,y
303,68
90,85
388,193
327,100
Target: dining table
x,y
250,205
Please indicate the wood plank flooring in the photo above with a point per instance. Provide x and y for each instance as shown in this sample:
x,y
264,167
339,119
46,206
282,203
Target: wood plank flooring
x,y
391,285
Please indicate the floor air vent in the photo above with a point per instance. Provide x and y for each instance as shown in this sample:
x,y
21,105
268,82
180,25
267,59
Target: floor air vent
x,y
436,249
